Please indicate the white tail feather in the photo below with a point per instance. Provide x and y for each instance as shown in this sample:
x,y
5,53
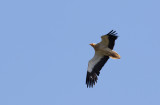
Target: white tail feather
x,y
115,55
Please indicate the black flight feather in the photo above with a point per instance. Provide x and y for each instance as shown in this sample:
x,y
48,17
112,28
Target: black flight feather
x,y
92,78
112,36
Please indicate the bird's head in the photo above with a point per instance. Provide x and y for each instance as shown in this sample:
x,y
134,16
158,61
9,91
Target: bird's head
x,y
92,44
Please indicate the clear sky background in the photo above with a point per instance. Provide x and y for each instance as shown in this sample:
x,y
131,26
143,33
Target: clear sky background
x,y
44,52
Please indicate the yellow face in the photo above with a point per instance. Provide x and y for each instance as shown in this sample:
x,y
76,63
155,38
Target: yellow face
x,y
92,44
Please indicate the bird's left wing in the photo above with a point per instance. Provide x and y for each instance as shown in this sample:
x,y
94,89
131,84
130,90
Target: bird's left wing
x,y
108,40
94,67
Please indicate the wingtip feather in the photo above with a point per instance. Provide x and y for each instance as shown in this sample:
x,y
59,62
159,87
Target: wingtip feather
x,y
91,79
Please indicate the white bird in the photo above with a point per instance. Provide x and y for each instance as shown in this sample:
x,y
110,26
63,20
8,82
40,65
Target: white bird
x,y
103,51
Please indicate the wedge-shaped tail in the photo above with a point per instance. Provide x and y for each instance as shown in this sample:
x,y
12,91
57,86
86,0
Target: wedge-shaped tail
x,y
115,55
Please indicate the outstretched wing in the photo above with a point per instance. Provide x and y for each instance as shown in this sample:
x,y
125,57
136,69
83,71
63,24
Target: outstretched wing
x,y
109,39
94,67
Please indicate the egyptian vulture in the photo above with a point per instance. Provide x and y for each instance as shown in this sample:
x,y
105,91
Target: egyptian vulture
x,y
103,51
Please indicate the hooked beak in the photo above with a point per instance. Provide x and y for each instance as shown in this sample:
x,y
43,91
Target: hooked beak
x,y
91,44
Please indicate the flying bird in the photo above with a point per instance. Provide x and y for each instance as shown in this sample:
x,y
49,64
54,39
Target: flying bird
x,y
103,51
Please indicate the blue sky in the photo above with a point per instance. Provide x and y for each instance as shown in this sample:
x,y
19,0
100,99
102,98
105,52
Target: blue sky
x,y
44,52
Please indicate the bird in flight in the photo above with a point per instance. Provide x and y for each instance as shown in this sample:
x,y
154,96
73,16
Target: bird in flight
x,y
103,51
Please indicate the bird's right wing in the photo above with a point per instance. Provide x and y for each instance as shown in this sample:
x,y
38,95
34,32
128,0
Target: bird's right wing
x,y
94,67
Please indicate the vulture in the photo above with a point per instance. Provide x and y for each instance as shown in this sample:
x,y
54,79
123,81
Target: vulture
x,y
103,51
